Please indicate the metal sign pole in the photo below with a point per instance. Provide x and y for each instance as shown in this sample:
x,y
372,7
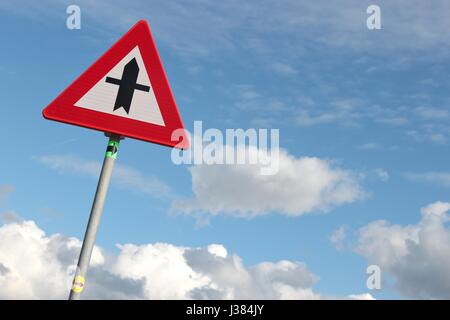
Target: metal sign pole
x,y
94,218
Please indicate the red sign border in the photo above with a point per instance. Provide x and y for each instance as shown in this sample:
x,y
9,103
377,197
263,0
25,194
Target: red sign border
x,y
62,109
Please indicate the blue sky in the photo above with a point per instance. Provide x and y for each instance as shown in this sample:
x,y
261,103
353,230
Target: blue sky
x,y
372,103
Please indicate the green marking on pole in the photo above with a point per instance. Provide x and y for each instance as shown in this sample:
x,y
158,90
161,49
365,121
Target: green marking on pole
x,y
113,148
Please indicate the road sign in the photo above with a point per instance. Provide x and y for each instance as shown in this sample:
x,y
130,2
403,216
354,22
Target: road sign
x,y
125,93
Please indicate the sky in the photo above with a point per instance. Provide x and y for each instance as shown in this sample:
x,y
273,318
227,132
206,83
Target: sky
x,y
363,118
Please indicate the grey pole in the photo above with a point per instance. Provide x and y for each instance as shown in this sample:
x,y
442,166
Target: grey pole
x,y
94,218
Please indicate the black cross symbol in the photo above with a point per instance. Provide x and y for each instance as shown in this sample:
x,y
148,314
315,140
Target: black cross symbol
x,y
127,85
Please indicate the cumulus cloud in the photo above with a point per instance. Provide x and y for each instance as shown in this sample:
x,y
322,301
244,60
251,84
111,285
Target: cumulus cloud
x,y
300,186
417,256
34,265
124,177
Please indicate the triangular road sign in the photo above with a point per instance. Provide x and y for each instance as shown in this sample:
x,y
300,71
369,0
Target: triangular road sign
x,y
125,92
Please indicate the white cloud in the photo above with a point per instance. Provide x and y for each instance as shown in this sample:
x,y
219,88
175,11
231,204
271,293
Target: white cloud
x,y
271,29
217,250
382,174
36,266
432,113
421,124
348,112
123,176
429,135
416,256
302,185
306,119
283,69
250,99
363,296
438,178
438,138
68,163
375,146
338,236
194,69
392,121
370,146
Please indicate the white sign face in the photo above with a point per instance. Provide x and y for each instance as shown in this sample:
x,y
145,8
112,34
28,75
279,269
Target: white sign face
x,y
125,91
